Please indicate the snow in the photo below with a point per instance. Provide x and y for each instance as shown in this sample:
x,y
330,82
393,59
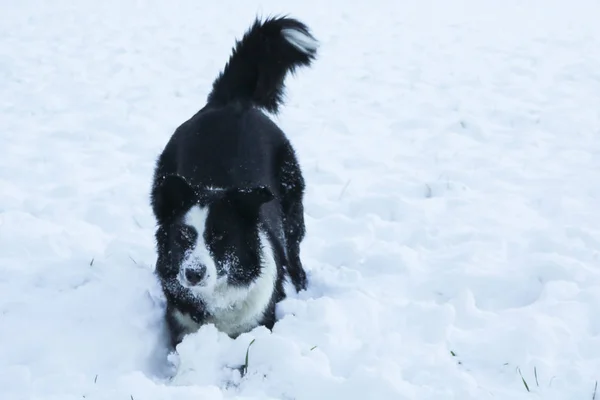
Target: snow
x,y
451,152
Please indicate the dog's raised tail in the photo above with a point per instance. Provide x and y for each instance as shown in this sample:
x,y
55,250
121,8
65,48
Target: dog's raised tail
x,y
259,63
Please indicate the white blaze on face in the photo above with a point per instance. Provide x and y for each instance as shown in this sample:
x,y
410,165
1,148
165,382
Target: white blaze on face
x,y
200,254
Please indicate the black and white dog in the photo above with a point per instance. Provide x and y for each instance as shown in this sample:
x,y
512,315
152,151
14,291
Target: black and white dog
x,y
228,192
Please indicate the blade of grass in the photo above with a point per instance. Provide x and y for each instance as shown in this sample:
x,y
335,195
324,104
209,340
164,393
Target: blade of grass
x,y
246,361
523,379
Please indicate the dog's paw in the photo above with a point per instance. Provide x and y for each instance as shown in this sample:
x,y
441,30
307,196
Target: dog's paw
x,y
299,280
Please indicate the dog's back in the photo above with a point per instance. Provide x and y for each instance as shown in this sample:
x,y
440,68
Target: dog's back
x,y
230,141
225,146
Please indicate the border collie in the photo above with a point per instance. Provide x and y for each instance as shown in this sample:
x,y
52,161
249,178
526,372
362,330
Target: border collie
x,y
227,192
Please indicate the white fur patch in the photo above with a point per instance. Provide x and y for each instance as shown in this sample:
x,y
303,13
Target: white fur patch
x,y
239,309
300,40
196,218
188,324
234,310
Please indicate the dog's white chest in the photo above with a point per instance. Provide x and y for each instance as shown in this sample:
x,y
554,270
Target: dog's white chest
x,y
235,310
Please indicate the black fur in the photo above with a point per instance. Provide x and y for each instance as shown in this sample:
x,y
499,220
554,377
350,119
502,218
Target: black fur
x,y
233,146
257,68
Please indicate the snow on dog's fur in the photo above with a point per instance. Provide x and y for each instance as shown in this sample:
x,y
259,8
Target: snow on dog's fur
x,y
228,192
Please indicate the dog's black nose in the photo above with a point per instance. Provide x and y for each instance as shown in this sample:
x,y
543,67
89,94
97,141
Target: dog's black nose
x,y
195,275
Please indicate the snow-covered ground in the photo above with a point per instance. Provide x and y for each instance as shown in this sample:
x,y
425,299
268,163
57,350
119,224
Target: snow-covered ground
x,y
452,156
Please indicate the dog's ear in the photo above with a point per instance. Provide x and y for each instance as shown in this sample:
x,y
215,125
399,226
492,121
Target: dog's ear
x,y
171,195
249,200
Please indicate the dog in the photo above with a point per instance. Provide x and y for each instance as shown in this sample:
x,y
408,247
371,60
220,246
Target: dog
x,y
227,192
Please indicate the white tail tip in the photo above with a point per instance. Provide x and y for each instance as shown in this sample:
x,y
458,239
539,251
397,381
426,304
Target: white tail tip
x,y
300,40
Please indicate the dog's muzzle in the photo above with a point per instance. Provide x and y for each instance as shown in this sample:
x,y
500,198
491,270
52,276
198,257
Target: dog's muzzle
x,y
195,275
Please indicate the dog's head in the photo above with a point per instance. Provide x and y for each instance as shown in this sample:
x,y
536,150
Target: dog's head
x,y
208,235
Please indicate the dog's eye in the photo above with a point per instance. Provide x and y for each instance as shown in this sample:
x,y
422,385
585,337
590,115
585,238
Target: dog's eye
x,y
216,236
219,237
187,236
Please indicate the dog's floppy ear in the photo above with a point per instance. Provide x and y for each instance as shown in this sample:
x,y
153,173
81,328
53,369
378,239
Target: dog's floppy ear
x,y
249,200
171,195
